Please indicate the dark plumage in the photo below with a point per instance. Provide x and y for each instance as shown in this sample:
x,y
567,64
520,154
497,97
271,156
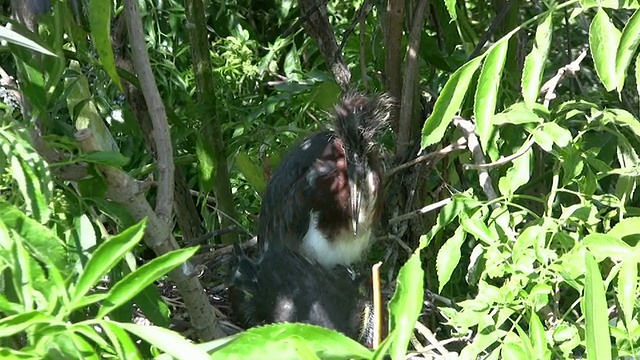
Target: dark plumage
x,y
326,195
283,286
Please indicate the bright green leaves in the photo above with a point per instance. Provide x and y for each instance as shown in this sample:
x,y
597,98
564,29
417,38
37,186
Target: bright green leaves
x,y
448,103
104,259
290,341
594,305
603,41
405,305
100,22
535,62
29,171
487,94
629,41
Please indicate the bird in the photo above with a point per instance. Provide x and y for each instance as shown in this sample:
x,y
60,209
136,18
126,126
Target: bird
x,y
284,286
326,195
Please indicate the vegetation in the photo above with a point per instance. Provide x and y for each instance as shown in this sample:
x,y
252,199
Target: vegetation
x,y
512,168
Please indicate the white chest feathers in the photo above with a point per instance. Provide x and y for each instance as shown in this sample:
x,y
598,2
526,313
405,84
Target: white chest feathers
x,y
345,249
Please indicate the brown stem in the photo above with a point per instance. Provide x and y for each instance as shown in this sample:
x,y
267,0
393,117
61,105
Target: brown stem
x,y
128,192
410,81
393,54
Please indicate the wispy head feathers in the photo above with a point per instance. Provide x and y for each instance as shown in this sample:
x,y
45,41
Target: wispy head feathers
x,y
359,118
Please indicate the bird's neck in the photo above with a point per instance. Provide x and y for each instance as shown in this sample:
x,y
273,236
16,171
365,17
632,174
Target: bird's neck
x,y
344,248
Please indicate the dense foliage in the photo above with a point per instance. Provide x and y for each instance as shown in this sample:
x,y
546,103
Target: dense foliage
x,y
512,167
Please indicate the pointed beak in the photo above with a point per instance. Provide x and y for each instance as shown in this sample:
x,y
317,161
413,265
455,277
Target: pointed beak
x,y
355,174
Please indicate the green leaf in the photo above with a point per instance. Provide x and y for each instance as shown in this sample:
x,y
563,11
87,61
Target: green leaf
x,y
42,241
535,61
477,228
206,164
516,114
110,158
448,103
448,257
538,337
125,289
15,324
604,38
13,37
153,306
251,172
613,4
602,246
30,171
487,93
100,23
405,306
626,289
560,136
626,227
274,342
165,340
594,306
124,346
518,174
104,259
451,9
628,45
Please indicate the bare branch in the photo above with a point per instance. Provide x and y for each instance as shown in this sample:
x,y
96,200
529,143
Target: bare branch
x,y
550,86
503,160
460,144
468,128
424,210
140,57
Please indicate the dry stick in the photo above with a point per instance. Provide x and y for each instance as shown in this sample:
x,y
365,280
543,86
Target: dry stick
x,y
420,211
459,144
550,86
468,129
377,304
503,160
410,75
142,65
431,338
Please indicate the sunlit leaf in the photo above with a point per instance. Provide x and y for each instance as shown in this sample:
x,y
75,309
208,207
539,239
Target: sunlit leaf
x,y
487,94
105,257
603,41
629,41
100,23
132,284
594,306
534,62
448,103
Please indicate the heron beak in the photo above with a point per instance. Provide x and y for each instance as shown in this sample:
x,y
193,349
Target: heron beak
x,y
355,193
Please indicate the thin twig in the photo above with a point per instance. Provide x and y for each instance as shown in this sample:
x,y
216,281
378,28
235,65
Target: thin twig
x,y
142,65
420,211
459,144
468,128
503,160
550,86
431,338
